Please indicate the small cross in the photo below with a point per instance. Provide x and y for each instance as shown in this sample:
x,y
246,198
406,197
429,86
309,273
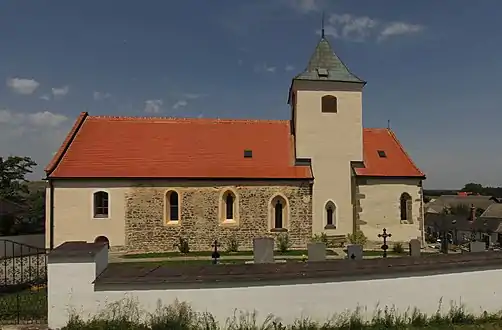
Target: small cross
x,y
384,235
216,254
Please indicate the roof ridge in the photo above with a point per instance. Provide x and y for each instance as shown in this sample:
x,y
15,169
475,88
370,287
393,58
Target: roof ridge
x,y
391,133
187,119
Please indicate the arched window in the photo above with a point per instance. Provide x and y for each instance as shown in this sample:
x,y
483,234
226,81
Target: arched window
x,y
101,204
330,210
229,206
405,207
279,214
329,104
172,204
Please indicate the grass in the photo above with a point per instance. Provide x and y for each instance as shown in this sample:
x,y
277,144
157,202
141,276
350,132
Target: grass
x,y
29,306
125,315
175,254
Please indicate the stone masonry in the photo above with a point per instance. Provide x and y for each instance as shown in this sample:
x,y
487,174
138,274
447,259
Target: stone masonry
x,y
200,223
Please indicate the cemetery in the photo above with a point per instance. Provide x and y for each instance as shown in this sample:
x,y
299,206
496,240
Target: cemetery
x,y
83,286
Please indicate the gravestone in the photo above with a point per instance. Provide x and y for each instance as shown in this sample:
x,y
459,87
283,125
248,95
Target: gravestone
x,y
263,250
354,251
316,251
477,246
415,247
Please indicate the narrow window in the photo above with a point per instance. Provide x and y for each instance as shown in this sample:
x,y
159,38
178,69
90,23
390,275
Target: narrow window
x,y
330,210
278,218
173,207
329,104
405,205
101,204
229,206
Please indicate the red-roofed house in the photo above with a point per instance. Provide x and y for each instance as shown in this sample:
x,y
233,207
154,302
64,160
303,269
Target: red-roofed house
x,y
142,183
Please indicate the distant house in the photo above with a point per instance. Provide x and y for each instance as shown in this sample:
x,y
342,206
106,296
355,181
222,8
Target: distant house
x,y
451,201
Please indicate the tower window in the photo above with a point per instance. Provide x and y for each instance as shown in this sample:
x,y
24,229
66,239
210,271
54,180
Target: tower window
x,y
329,104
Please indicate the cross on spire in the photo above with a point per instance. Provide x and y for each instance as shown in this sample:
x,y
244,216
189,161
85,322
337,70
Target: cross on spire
x,y
322,25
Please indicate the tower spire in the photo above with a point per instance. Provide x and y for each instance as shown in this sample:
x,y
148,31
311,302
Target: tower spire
x,y
322,25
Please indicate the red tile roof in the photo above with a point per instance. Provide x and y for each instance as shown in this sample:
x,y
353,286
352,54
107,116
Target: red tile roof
x,y
131,147
395,163
116,147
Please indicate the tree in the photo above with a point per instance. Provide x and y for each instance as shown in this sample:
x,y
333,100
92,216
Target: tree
x,y
13,171
475,188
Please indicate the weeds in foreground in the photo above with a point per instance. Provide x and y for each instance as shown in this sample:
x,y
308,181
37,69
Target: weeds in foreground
x,y
126,315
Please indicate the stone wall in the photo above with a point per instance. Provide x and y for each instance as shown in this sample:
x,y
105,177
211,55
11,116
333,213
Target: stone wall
x,y
148,231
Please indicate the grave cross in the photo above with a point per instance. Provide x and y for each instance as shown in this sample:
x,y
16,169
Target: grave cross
x,y
216,254
384,235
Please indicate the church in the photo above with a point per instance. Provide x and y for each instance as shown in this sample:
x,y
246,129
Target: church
x,y
142,183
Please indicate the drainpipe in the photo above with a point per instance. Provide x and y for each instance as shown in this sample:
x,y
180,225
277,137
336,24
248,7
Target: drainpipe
x,y
51,214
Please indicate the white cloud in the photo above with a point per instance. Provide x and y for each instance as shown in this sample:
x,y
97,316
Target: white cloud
x,y
61,91
399,28
289,68
193,96
360,28
264,68
153,106
180,104
45,97
305,6
98,96
22,85
37,135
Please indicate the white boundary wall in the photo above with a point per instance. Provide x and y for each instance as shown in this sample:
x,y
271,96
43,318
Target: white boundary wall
x,y
71,289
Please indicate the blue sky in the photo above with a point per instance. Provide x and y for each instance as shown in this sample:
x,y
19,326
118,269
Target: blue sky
x,y
432,68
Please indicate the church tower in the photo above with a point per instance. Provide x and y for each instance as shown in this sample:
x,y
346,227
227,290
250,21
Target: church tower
x,y
326,106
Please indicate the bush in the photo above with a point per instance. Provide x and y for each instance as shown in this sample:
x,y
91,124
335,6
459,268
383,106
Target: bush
x,y
283,243
398,248
357,237
232,244
322,238
183,245
180,316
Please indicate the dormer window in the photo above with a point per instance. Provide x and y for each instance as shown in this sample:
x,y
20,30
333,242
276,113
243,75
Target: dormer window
x,y
329,104
322,73
382,154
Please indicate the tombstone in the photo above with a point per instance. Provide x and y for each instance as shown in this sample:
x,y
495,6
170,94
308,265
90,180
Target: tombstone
x,y
354,251
477,246
263,250
316,251
415,247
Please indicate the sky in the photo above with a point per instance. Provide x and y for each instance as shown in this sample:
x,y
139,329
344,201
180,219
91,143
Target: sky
x,y
432,69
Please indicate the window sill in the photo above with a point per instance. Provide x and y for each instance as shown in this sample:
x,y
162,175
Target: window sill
x,y
100,217
330,227
278,230
173,223
229,223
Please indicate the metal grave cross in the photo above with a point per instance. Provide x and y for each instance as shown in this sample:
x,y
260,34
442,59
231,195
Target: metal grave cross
x,y
385,247
216,254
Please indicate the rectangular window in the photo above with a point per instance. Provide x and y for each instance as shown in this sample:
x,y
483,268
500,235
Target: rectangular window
x,y
382,154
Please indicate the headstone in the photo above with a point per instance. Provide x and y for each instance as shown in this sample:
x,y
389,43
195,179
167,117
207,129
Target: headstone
x,y
415,248
263,250
354,251
316,251
477,246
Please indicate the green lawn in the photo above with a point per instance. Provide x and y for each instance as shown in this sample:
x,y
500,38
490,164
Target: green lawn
x,y
298,253
25,307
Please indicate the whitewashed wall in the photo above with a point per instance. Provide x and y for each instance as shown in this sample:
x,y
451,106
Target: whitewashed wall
x,y
8,249
71,289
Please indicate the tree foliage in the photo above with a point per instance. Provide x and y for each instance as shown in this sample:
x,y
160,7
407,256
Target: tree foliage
x,y
13,171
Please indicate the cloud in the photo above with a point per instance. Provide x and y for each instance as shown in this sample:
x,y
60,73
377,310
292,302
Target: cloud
x,y
180,104
37,135
153,106
305,6
361,28
399,28
99,96
61,91
289,68
22,86
45,97
264,68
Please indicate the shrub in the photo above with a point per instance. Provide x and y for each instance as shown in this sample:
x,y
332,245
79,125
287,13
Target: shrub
x,y
398,247
283,243
322,238
232,244
357,237
183,245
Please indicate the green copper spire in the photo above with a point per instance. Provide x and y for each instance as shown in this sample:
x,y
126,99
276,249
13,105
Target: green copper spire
x,y
324,64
